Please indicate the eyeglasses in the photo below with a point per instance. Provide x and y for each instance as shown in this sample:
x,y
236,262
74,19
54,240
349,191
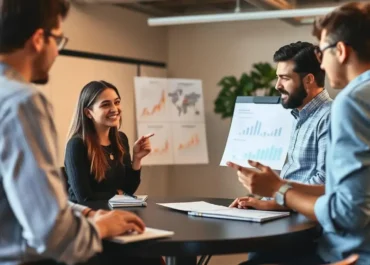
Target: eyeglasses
x,y
61,41
320,52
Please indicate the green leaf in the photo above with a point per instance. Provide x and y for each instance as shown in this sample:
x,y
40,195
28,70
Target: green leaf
x,y
262,76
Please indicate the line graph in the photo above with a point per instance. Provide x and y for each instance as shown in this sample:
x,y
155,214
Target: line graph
x,y
193,141
161,143
160,106
161,150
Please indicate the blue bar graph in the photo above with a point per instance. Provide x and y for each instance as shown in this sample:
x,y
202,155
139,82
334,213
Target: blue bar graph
x,y
256,130
267,154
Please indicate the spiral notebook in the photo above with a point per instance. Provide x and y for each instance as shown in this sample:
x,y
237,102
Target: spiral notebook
x,y
127,201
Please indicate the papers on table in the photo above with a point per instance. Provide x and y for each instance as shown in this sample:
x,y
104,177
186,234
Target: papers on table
x,y
149,233
241,214
204,209
192,206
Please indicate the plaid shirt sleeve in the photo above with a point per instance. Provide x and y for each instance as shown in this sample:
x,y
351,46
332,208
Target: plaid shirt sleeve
x,y
322,141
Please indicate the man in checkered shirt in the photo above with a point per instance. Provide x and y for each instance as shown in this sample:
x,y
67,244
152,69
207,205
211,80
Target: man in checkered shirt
x,y
301,84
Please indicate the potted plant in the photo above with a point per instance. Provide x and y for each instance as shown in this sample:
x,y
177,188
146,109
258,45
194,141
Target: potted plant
x,y
260,81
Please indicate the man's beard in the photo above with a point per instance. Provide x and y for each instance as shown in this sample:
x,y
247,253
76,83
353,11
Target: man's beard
x,y
295,99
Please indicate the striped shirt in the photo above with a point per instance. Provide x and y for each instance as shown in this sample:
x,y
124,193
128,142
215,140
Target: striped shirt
x,y
305,160
36,220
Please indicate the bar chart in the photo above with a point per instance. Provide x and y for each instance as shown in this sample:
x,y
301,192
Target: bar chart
x,y
259,132
256,130
271,153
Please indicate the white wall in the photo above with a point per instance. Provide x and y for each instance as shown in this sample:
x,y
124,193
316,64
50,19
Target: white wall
x,y
115,31
210,52
207,52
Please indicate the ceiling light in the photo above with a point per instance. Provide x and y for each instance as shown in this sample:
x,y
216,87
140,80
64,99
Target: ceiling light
x,y
226,17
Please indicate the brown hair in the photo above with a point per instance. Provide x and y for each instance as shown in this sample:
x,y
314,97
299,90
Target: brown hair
x,y
84,127
19,19
349,23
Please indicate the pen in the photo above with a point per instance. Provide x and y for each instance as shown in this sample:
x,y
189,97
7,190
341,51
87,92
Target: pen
x,y
148,135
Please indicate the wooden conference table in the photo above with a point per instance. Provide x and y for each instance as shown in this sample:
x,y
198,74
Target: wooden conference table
x,y
195,236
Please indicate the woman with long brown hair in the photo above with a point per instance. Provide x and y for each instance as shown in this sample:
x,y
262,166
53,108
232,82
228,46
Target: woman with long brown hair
x,y
97,160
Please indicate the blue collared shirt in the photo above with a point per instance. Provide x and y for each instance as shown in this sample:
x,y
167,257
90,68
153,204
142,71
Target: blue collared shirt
x,y
36,221
344,210
305,160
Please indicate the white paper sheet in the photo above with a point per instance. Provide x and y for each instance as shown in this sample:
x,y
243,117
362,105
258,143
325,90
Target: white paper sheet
x,y
241,214
259,132
193,206
205,209
149,233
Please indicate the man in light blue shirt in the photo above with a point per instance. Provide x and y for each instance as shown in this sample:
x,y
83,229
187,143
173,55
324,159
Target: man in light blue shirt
x,y
342,207
37,224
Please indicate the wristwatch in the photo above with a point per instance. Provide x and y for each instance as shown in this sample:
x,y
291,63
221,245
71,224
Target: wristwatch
x,y
280,195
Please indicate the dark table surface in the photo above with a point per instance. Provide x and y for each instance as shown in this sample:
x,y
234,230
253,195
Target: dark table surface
x,y
196,236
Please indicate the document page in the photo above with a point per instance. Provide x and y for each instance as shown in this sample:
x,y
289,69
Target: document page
x,y
259,132
193,206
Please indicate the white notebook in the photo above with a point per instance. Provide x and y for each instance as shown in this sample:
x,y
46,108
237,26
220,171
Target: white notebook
x,y
127,201
205,209
149,233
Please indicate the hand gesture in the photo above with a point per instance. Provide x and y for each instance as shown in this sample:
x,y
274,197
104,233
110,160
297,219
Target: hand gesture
x,y
142,147
263,182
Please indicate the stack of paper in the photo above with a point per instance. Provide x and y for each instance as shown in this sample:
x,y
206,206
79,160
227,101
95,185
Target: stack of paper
x,y
241,214
205,209
127,201
149,233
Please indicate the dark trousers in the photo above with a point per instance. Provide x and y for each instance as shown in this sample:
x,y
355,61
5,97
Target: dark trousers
x,y
305,255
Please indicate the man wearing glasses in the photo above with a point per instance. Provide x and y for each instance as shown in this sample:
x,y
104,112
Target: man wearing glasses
x,y
342,206
61,41
37,224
